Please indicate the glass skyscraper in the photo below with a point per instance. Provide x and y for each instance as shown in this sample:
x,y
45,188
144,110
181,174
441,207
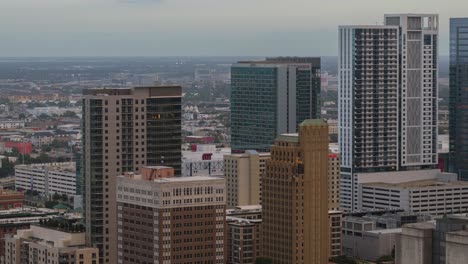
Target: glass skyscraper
x,y
459,96
272,97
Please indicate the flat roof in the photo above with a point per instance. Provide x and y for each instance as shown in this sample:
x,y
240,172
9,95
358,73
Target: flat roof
x,y
385,231
417,184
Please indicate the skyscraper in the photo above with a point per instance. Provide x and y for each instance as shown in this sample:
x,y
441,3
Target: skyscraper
x,y
459,96
387,99
418,38
295,227
123,130
272,97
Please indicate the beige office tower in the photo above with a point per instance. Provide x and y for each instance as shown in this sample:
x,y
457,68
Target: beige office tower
x,y
123,130
333,181
295,197
243,177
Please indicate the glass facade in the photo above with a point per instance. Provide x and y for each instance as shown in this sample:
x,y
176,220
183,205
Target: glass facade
x,y
257,103
459,96
253,107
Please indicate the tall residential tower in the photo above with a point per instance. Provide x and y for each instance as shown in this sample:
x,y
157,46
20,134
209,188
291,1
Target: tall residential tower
x,y
123,130
272,97
387,99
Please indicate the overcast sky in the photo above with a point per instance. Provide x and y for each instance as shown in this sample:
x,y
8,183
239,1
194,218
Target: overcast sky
x,y
196,27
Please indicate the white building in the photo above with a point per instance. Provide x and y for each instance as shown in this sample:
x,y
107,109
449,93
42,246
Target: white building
x,y
10,124
387,98
205,160
47,178
437,196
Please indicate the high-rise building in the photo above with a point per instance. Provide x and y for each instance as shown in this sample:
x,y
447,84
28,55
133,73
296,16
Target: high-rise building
x,y
333,181
295,227
272,97
167,219
418,105
387,98
243,174
459,96
123,130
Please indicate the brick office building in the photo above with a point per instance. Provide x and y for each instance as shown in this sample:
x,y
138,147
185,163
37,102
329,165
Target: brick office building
x,y
170,219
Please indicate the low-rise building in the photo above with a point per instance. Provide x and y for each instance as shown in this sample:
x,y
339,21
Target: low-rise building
x,y
46,244
11,199
42,138
444,241
47,178
370,237
438,196
12,124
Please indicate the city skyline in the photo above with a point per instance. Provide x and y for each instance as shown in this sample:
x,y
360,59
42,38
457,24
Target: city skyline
x,y
110,27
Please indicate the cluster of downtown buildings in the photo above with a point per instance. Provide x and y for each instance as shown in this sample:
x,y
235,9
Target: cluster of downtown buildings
x,y
285,195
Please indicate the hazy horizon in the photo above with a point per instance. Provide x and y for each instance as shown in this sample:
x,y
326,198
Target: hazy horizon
x,y
194,28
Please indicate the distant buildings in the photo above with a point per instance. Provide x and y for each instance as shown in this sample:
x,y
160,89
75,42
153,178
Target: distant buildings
x,y
442,242
203,160
295,227
243,174
46,245
272,97
162,218
387,98
12,124
17,219
47,178
124,130
42,138
459,96
21,147
11,199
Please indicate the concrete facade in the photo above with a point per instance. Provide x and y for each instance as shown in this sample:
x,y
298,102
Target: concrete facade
x,y
124,129
42,245
243,174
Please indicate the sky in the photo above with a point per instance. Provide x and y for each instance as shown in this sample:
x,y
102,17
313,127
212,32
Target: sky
x,y
196,27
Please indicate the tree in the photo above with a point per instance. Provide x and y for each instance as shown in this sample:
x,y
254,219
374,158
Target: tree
x,y
56,196
64,197
383,259
343,260
263,260
22,116
69,113
7,168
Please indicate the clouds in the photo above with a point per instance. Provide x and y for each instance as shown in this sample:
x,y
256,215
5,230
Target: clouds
x,y
194,27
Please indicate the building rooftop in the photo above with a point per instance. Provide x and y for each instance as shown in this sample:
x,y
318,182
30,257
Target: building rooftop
x,y
385,231
188,179
292,137
57,166
313,122
418,184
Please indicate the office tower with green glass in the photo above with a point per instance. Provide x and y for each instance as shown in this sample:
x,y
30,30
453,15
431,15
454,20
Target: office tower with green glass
x,y
459,97
272,97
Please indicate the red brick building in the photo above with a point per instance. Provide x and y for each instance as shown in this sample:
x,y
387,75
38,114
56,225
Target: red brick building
x,y
11,200
170,219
